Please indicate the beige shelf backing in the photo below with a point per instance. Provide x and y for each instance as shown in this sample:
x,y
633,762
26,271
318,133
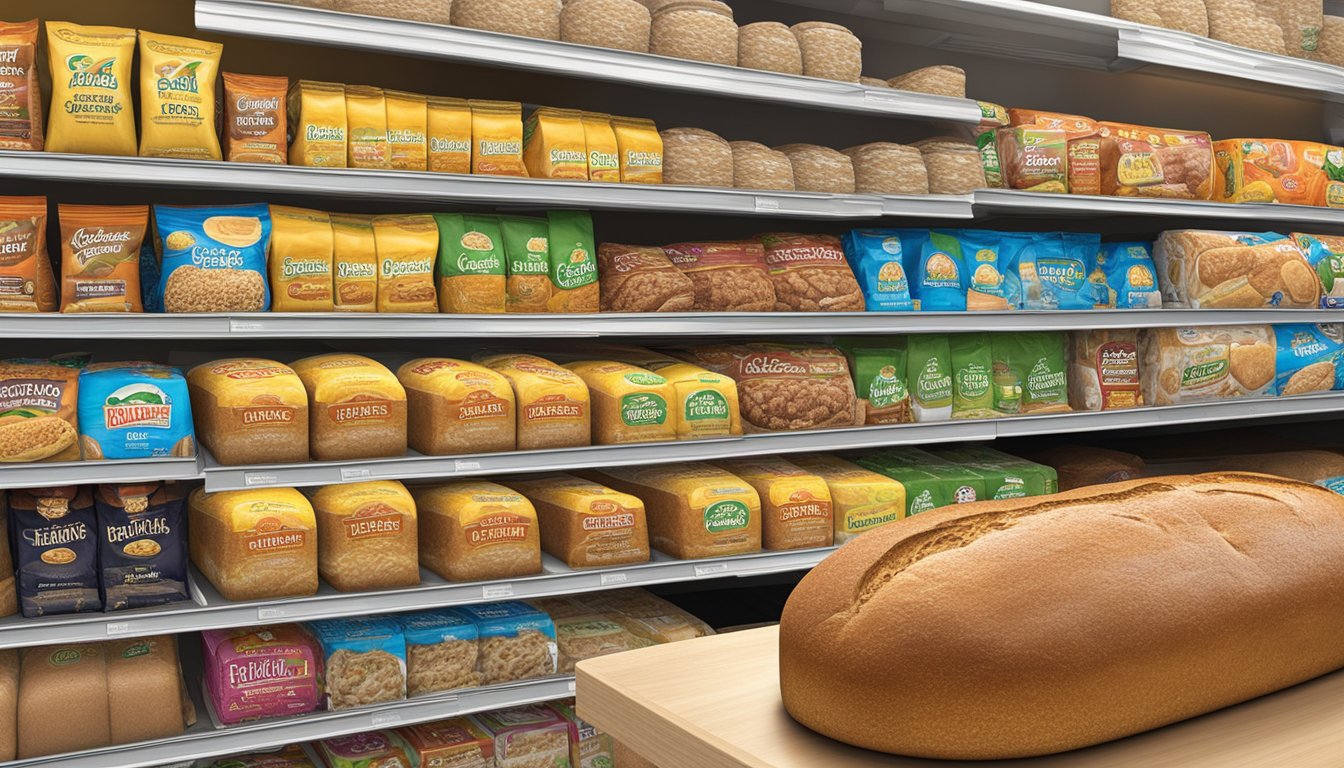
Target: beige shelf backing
x,y
714,703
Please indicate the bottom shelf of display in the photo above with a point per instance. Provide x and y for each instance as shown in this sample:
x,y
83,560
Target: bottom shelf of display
x,y
714,703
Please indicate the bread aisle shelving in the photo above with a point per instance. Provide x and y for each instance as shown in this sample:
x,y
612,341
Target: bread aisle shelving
x,y
774,107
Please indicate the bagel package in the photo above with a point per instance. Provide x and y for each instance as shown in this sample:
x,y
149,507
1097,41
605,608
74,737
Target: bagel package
x,y
1234,270
1183,365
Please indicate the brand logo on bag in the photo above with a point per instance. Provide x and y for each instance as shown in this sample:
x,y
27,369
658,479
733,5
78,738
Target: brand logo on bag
x,y
498,529
366,410
553,407
252,672
481,405
726,516
769,364
608,522
642,410
706,404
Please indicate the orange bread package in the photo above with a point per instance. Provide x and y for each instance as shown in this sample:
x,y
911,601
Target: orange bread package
x,y
100,257
254,118
27,281
1138,161
1084,145
1270,171
20,93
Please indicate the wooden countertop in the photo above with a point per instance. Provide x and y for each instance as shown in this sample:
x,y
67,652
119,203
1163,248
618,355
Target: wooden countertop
x,y
714,703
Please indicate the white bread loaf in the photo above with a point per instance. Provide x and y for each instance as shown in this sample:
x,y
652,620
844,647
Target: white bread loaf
x,y
1025,627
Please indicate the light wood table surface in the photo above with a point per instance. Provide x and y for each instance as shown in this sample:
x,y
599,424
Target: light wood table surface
x,y
714,703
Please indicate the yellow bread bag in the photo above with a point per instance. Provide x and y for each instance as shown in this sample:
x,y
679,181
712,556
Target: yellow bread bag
x,y
706,402
458,407
553,403
795,503
177,97
407,249
27,281
366,127
861,500
301,259
694,510
357,407
641,150
366,536
406,129
250,411
448,128
472,530
20,91
604,154
497,138
354,263
554,144
91,109
630,404
587,524
254,545
317,121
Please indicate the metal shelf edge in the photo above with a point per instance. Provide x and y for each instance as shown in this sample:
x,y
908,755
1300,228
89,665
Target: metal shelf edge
x,y
91,472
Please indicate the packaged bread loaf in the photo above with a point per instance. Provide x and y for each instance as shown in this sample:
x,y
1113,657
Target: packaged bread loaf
x,y
1183,365
55,536
810,274
877,634
300,261
604,152
629,404
254,545
587,524
1104,369
233,277
795,504
252,673
473,530
639,278
363,660
442,647
552,402
533,732
555,144
90,66
729,276
38,412
366,536
366,121
458,407
22,93
497,137
142,552
1226,270
407,248
250,411
1270,171
406,128
861,500
1030,372
785,387
517,641
706,402
590,636
694,510
1249,24
1138,161
358,408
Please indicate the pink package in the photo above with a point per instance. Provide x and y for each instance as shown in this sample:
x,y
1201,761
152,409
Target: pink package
x,y
258,672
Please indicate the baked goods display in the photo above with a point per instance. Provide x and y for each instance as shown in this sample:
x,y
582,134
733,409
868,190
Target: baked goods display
x,y
473,529
366,536
254,544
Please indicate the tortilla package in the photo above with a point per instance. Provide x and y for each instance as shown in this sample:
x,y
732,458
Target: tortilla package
x,y
100,257
20,92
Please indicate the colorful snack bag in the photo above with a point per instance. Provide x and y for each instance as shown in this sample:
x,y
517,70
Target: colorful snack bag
x,y
1058,271
574,278
1269,171
1131,276
1310,359
940,282
213,257
527,263
366,126
407,247
1030,372
1083,147
987,278
1034,159
177,97
448,126
1104,369
1138,161
254,118
604,153
134,411
100,257
407,125
91,109
301,260
641,148
27,281
875,255
20,92
354,263
497,138
470,267
929,373
316,113
972,367
554,144
1325,253
880,370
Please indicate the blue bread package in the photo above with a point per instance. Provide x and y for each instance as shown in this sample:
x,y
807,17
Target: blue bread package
x,y
1058,271
939,278
53,533
989,281
876,256
142,545
1325,253
1310,359
364,660
517,641
134,411
441,651
213,258
1131,276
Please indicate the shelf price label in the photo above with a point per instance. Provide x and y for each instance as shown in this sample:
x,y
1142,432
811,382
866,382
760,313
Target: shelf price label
x,y
466,466
267,614
383,719
495,591
710,569
260,478
614,578
115,628
355,473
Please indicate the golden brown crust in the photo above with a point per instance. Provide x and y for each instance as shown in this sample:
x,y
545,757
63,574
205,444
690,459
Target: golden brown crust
x,y
1024,627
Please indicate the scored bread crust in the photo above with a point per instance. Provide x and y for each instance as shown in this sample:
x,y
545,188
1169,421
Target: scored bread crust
x,y
1025,627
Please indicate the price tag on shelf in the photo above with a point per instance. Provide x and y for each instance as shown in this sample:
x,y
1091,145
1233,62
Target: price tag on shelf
x,y
382,719
495,591
614,578
245,326
571,686
118,628
355,473
466,466
266,614
710,569
260,478
768,204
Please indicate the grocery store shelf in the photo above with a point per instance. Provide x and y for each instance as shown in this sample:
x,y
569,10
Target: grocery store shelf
x,y
434,41
209,610
277,325
88,472
1192,413
929,206
425,187
1005,202
203,740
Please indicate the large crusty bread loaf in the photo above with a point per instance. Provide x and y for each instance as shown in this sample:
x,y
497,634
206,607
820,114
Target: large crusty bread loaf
x,y
1030,626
